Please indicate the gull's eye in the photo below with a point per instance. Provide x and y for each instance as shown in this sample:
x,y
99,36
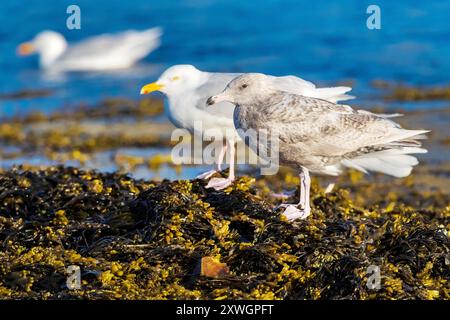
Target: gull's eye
x,y
244,86
175,78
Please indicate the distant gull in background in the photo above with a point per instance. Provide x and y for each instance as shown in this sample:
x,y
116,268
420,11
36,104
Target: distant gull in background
x,y
188,88
319,136
103,52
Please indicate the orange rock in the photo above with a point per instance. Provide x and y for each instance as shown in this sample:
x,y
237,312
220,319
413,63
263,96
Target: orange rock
x,y
211,267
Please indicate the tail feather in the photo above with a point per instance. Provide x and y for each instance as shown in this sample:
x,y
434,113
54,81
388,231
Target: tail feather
x,y
381,115
139,44
401,160
153,33
394,162
400,135
389,115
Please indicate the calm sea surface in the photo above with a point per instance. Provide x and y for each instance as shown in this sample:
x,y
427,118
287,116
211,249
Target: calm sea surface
x,y
318,40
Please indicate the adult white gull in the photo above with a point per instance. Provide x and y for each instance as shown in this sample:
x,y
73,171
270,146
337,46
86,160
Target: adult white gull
x,y
188,88
103,52
319,136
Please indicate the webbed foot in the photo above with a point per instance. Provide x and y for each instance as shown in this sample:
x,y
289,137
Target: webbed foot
x,y
219,183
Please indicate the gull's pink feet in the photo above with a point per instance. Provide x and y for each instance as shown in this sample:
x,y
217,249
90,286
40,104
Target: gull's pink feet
x,y
292,212
206,175
219,183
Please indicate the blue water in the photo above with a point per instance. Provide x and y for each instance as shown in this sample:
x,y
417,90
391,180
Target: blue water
x,y
322,41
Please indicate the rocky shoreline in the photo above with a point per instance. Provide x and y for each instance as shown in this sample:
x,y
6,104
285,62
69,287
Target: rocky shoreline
x,y
137,239
374,237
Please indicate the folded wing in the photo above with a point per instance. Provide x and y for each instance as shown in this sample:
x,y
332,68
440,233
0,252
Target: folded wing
x,y
305,88
357,138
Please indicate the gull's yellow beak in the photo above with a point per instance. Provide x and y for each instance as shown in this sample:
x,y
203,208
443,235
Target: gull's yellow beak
x,y
25,49
154,86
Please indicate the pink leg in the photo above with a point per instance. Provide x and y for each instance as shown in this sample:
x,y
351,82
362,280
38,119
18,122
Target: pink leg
x,y
232,161
222,183
222,153
292,212
306,182
219,163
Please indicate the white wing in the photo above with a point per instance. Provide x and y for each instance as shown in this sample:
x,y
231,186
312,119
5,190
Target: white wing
x,y
305,88
110,51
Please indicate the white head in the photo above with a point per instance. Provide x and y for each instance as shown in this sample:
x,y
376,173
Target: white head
x,y
175,80
50,45
245,90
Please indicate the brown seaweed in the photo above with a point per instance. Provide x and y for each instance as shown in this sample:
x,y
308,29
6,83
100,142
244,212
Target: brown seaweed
x,y
137,239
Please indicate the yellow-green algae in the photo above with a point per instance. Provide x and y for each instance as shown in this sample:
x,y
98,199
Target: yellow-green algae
x,y
136,239
76,133
402,92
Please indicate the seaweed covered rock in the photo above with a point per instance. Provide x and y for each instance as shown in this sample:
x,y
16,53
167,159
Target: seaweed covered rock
x,y
136,239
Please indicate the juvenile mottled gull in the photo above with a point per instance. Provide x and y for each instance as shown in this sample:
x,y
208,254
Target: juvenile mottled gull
x,y
319,136
103,52
187,89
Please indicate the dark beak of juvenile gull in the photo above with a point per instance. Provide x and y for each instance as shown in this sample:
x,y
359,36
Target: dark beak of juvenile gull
x,y
211,101
217,98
